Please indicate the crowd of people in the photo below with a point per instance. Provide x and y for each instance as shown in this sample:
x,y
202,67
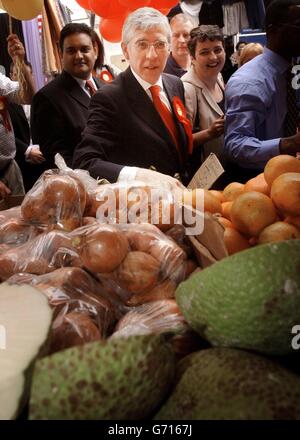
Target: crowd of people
x,y
162,116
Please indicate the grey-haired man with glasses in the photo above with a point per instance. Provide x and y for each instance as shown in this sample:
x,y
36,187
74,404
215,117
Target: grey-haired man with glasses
x,y
261,98
132,124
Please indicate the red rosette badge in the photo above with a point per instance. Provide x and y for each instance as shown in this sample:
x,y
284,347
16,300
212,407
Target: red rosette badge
x,y
180,113
4,113
106,76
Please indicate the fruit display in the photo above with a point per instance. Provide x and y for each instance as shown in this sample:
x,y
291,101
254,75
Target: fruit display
x,y
153,317
134,262
44,253
116,314
82,311
57,200
250,300
253,213
125,378
229,384
135,203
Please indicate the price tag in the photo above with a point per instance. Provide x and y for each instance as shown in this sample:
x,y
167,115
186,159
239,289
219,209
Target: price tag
x,y
207,174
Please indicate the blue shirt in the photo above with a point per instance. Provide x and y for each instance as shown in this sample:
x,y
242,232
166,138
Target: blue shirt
x,y
256,107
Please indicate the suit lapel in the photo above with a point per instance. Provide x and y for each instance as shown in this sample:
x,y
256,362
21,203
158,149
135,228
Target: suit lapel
x,y
171,91
210,100
74,89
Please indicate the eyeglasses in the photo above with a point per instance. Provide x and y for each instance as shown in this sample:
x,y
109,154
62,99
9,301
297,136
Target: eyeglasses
x,y
144,46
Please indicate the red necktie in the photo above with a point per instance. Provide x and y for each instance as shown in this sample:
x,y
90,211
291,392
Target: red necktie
x,y
90,87
165,115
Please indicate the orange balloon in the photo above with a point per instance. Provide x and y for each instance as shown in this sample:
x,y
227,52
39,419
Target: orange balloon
x,y
84,4
163,4
107,8
134,4
111,28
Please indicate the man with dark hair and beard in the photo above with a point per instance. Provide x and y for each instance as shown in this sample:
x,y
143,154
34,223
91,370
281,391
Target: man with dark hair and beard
x,y
261,106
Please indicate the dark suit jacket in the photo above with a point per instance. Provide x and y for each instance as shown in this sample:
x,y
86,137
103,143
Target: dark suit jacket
x,y
30,172
58,115
124,129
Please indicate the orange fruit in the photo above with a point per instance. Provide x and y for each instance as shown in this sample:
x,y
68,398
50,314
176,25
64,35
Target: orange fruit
x,y
251,212
258,184
225,222
232,191
234,241
278,231
211,203
217,194
293,221
279,165
226,209
285,193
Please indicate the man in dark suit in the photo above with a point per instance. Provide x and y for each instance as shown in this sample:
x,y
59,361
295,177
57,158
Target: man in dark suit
x,y
59,110
130,128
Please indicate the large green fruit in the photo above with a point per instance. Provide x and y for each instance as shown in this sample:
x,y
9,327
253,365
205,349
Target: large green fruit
x,y
229,384
249,300
126,378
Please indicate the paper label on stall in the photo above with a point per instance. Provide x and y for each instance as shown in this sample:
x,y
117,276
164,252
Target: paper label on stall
x,y
207,174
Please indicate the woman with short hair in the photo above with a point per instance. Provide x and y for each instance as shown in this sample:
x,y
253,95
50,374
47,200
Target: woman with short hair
x,y
204,91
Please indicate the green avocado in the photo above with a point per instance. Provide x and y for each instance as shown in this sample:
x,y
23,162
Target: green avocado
x,y
124,379
231,384
250,300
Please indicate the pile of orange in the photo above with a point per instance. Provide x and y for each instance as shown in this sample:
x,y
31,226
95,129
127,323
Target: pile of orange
x,y
265,209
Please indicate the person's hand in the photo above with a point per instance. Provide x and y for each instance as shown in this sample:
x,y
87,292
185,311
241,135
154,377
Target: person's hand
x,y
297,141
217,128
163,180
4,190
290,145
15,48
36,156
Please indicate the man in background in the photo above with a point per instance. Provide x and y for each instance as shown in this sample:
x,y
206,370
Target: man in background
x,y
60,109
261,116
179,60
